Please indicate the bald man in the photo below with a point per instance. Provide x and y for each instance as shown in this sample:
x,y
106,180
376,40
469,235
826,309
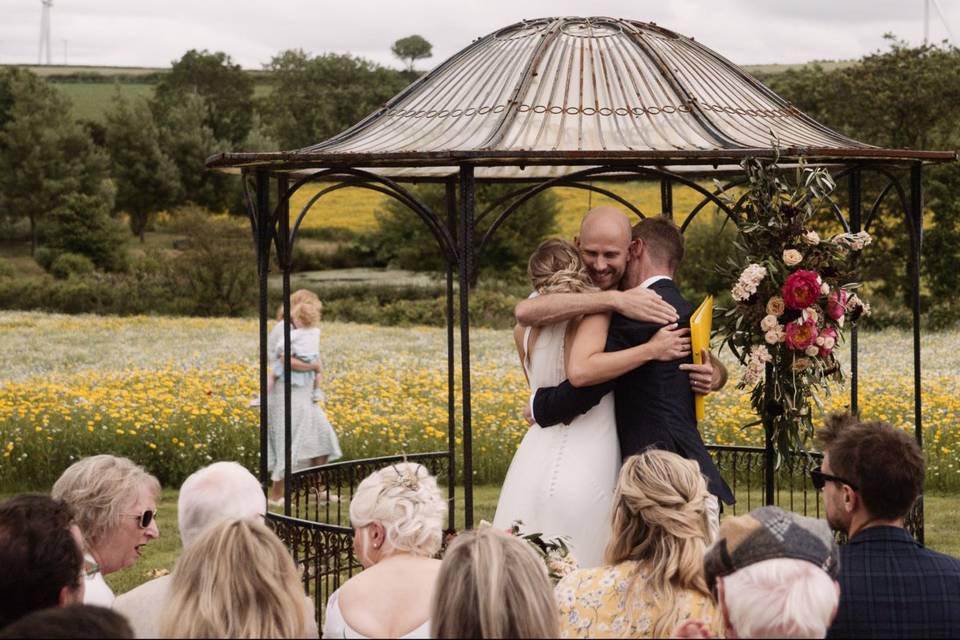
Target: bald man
x,y
604,243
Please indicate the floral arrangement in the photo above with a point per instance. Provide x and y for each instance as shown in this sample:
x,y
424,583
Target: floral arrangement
x,y
554,551
793,296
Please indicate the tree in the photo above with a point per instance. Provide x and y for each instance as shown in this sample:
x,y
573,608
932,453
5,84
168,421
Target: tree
x,y
81,224
147,179
411,49
184,137
226,88
44,154
902,98
316,97
404,241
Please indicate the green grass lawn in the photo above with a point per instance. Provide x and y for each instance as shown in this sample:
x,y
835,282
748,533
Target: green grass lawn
x,y
942,522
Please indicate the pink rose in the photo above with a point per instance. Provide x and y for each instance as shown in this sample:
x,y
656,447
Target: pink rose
x,y
801,289
801,334
829,335
837,303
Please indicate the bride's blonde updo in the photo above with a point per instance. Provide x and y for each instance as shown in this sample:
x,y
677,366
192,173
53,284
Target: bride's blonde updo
x,y
404,498
660,521
555,267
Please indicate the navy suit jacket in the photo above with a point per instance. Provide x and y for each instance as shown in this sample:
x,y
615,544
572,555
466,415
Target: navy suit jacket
x,y
893,587
654,403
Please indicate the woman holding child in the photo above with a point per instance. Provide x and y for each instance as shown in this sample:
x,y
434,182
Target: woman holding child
x,y
313,440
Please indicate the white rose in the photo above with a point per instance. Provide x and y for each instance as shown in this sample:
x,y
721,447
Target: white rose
x,y
768,322
820,340
824,289
772,336
829,343
792,257
812,238
812,350
809,314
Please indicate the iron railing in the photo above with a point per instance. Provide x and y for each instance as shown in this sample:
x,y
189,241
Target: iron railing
x,y
320,538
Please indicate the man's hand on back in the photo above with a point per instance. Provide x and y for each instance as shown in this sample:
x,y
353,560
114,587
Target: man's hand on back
x,y
641,303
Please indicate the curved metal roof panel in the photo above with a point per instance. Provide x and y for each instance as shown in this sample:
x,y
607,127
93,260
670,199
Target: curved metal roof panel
x,y
583,84
575,91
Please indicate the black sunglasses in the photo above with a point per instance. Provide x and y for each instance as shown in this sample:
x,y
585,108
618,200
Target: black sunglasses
x,y
145,518
820,479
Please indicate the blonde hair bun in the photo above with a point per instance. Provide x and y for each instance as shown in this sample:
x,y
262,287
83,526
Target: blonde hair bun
x,y
405,499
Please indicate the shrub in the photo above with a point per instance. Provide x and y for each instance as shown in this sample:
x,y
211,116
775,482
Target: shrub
x,y
217,271
82,225
71,264
6,269
44,257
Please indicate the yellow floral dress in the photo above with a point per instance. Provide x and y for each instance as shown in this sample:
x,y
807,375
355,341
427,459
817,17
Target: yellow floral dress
x,y
593,604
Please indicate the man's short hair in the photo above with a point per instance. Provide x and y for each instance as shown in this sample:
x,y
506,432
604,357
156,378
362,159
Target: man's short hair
x,y
216,492
662,239
38,555
76,621
884,463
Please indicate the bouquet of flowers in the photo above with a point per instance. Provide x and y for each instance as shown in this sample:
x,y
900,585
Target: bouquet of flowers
x,y
793,296
554,551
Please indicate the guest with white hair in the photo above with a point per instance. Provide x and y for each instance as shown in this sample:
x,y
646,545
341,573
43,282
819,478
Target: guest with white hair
x,y
775,576
213,493
397,516
115,504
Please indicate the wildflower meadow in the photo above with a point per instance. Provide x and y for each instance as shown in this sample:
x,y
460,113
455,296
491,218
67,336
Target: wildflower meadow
x,y
172,394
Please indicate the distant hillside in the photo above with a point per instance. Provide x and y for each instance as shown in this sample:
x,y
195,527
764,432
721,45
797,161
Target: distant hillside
x,y
91,89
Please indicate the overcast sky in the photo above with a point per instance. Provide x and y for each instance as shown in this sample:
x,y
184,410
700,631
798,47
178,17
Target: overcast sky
x,y
152,34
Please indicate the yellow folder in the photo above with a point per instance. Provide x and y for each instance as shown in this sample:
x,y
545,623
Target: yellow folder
x,y
701,322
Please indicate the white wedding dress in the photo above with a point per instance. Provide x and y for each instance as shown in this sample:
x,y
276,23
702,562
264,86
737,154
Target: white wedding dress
x,y
562,478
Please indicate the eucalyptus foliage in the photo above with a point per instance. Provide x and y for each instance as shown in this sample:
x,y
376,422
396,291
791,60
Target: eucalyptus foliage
x,y
793,292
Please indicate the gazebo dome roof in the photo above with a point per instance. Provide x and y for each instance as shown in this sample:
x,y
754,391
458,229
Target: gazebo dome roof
x,y
578,91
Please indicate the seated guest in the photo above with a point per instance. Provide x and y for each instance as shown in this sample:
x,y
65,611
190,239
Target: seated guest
x,y
41,564
653,575
75,621
774,574
237,580
115,502
493,585
397,516
221,490
890,585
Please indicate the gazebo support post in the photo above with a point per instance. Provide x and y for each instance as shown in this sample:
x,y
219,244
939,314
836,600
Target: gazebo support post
x,y
283,257
465,260
451,202
769,455
262,219
856,211
915,220
666,198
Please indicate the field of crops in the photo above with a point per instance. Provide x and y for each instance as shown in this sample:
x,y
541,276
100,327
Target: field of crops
x,y
172,394
356,209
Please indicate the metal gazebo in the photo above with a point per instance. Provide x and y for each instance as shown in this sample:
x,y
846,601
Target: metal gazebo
x,y
544,103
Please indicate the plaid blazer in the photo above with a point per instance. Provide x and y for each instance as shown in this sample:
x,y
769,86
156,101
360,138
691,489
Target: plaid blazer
x,y
893,587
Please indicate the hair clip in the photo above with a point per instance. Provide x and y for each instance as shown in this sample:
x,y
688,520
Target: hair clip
x,y
409,479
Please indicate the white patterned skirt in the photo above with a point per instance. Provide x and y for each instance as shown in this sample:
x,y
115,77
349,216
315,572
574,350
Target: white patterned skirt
x,y
312,435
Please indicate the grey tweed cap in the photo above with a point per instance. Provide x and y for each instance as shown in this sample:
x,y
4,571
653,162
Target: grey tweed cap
x,y
768,533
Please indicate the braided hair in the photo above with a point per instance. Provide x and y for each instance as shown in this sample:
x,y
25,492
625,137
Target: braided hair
x,y
660,522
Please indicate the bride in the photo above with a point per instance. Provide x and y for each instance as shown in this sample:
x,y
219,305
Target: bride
x,y
561,479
